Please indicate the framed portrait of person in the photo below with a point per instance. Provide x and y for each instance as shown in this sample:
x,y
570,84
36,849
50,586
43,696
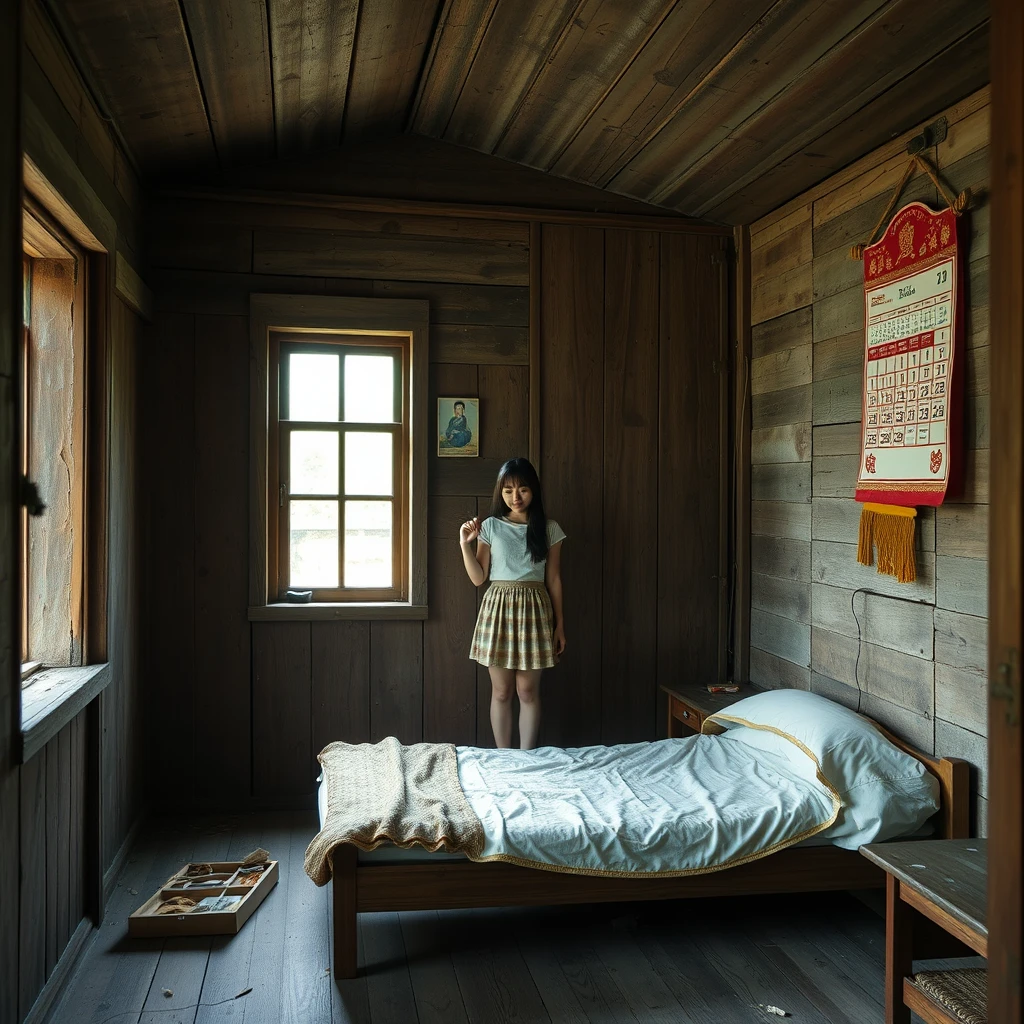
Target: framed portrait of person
x,y
458,427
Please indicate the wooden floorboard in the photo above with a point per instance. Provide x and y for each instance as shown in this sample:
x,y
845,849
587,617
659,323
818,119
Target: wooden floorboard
x,y
694,962
434,985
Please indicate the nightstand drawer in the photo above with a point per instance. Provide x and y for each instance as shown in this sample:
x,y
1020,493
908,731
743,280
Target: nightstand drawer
x,y
690,705
686,714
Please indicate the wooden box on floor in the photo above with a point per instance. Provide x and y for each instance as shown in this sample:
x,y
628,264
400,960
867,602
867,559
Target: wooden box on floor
x,y
146,923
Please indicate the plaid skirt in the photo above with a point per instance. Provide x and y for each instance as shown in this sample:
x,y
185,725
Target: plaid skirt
x,y
515,626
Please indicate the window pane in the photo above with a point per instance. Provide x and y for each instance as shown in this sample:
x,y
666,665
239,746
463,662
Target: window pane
x,y
312,387
368,463
314,544
368,544
370,389
314,462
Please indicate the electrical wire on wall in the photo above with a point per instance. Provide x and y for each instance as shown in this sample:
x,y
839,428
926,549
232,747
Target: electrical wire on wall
x,y
860,632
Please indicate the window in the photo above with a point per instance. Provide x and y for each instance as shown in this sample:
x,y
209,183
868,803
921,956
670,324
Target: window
x,y
339,443
53,448
62,556
340,438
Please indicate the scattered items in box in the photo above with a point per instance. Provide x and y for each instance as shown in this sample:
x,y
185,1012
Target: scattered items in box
x,y
216,880
258,856
198,869
176,905
216,904
250,875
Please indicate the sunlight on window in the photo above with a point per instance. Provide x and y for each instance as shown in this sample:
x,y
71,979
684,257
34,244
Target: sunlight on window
x,y
313,387
314,462
368,463
314,544
368,544
370,389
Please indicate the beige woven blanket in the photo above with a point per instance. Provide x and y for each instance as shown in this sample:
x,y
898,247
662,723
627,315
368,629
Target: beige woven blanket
x,y
386,792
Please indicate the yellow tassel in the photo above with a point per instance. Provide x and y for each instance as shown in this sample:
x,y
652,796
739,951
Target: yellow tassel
x,y
857,251
890,528
866,541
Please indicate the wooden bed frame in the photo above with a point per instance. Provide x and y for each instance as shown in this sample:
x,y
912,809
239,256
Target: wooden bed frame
x,y
451,885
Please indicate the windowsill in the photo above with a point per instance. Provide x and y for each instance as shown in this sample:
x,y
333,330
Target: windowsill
x,y
325,611
52,697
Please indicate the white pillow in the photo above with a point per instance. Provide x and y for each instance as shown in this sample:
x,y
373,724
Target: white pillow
x,y
884,791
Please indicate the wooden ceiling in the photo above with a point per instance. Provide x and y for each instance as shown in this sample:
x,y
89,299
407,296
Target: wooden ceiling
x,y
721,109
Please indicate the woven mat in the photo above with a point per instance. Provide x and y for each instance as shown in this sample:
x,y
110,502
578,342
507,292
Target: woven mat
x,y
962,993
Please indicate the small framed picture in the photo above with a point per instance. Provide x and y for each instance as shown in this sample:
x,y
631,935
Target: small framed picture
x,y
458,428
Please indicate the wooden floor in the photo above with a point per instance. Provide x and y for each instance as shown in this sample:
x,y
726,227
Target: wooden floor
x,y
712,962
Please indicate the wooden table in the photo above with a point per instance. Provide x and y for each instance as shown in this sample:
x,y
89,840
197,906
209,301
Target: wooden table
x,y
690,703
944,882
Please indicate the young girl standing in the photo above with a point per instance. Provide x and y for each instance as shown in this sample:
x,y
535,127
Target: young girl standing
x,y
519,630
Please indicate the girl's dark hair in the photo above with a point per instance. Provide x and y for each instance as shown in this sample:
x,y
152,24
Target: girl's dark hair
x,y
521,471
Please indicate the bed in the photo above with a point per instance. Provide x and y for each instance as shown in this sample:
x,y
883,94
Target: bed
x,y
386,878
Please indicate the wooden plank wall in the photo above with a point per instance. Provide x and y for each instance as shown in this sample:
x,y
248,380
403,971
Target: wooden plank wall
x,y
10,513
45,809
923,656
602,388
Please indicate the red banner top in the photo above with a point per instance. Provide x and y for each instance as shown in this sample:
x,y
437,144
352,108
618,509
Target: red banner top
x,y
915,235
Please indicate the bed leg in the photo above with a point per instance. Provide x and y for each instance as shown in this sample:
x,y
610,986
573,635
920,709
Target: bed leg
x,y
344,887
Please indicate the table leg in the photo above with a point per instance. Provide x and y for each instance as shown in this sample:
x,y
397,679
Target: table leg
x,y
899,926
675,729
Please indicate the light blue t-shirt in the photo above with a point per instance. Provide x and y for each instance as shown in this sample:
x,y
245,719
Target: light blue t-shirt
x,y
510,557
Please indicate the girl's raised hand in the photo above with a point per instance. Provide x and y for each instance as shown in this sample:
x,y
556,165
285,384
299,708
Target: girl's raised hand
x,y
469,531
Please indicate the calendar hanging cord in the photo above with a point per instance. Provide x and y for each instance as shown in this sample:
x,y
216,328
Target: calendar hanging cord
x,y
957,204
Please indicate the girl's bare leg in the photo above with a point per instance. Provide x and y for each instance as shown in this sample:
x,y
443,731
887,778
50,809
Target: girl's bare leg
x,y
528,689
503,685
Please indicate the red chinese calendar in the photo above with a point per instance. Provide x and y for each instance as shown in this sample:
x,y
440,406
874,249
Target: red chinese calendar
x,y
913,391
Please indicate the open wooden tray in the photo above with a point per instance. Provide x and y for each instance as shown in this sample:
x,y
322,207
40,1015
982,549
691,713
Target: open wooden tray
x,y
145,922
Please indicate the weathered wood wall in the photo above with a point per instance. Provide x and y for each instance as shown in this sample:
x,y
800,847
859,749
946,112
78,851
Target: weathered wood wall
x,y
250,707
47,814
922,665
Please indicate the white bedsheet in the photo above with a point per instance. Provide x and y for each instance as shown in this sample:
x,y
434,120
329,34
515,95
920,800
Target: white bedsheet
x,y
673,806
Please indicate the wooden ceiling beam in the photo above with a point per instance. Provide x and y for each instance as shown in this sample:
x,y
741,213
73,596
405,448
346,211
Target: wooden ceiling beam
x,y
670,222
311,44
519,38
140,58
602,41
232,48
944,80
862,66
392,40
689,44
460,30
788,40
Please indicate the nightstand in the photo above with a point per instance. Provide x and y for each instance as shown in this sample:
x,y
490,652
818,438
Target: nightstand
x,y
690,703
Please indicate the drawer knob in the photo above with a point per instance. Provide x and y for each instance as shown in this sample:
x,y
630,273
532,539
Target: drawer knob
x,y
686,714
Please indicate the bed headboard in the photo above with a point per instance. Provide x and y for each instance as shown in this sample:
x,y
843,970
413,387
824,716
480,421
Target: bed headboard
x,y
954,775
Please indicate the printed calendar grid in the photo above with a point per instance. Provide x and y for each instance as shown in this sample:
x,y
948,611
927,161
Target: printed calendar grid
x,y
906,374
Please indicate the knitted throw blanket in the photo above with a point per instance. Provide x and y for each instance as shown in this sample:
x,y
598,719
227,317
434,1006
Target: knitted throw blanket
x,y
389,793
